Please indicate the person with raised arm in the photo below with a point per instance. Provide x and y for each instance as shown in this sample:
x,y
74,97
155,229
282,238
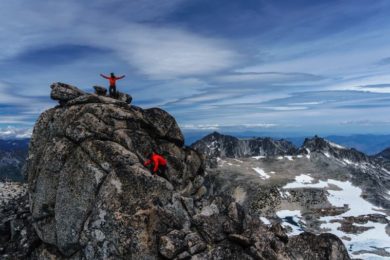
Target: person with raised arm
x,y
112,79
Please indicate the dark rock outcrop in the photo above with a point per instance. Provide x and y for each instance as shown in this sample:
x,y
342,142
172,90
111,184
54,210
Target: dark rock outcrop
x,y
64,92
318,144
18,239
383,158
325,246
100,91
92,198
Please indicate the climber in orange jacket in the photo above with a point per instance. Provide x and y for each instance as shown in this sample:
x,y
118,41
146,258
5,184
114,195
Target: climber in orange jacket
x,y
159,163
112,80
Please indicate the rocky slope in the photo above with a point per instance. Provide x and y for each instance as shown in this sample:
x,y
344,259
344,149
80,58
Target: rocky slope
x,y
90,197
383,158
13,155
324,187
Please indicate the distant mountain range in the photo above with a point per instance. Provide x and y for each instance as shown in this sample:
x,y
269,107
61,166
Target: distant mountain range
x,y
370,144
218,145
14,151
13,154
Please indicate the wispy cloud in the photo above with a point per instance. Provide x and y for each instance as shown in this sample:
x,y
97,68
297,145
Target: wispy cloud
x,y
270,77
225,127
157,52
304,64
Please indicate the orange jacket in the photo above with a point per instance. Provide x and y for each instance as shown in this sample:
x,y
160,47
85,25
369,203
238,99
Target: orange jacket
x,y
157,161
112,79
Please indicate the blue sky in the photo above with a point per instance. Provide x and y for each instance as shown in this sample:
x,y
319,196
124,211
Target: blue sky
x,y
318,67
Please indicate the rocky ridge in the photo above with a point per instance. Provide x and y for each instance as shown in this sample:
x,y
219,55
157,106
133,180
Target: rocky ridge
x,y
90,196
218,145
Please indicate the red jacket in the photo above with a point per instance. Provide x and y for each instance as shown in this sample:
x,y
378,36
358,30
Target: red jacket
x,y
157,160
112,79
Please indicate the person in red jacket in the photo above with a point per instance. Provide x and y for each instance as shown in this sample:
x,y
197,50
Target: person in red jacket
x,y
159,164
112,80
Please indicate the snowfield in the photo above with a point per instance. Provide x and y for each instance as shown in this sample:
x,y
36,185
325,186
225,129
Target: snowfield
x,y
345,194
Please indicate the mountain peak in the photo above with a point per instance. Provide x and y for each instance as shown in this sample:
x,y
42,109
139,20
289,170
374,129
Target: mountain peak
x,y
219,145
321,145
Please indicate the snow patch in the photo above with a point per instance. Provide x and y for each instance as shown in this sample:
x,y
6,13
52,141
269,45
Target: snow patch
x,y
385,170
305,181
336,145
261,172
291,219
308,153
265,221
348,162
350,195
374,237
258,157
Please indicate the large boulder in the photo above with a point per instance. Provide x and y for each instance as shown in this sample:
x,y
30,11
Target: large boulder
x,y
100,91
64,92
92,198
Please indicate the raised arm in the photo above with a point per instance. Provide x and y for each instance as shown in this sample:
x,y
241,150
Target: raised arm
x,y
121,77
104,76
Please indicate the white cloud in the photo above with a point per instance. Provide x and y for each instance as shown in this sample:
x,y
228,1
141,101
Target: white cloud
x,y
171,52
268,77
226,126
159,52
20,120
200,127
18,133
286,108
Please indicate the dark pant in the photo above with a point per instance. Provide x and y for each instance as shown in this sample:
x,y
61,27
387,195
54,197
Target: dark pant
x,y
162,171
112,91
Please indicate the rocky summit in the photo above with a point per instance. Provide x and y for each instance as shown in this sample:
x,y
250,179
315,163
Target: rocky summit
x,y
90,197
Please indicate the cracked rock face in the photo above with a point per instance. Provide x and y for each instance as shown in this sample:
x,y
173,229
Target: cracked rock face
x,y
92,198
88,187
